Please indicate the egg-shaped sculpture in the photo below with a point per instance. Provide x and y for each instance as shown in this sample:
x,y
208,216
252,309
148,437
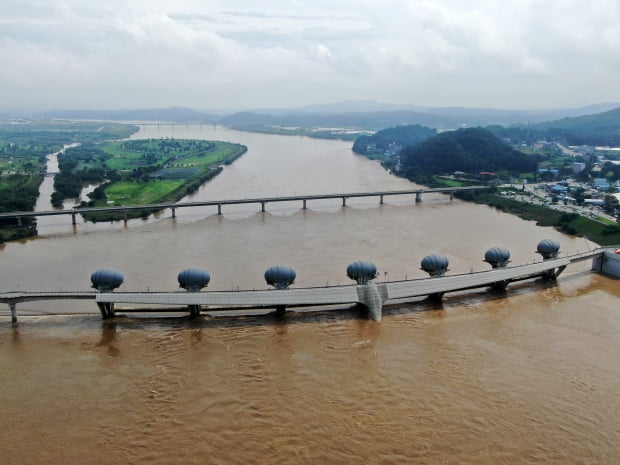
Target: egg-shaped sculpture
x,y
362,271
106,280
435,265
548,248
280,276
497,257
193,279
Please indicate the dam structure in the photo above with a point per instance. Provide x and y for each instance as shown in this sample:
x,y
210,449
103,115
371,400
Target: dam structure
x,y
367,293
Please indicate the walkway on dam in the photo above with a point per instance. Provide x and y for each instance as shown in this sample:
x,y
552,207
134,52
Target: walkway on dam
x,y
372,295
352,294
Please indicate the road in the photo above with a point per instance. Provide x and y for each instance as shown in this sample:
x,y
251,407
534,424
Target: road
x,y
539,196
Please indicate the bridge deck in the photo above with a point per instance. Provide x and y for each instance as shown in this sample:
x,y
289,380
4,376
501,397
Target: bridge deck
x,y
260,200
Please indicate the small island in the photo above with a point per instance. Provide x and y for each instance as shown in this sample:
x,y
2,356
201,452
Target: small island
x,y
137,172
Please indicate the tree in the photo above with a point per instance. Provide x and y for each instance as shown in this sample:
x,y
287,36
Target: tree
x,y
611,203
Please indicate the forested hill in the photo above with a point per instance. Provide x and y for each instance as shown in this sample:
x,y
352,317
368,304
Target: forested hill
x,y
471,150
599,129
607,120
392,138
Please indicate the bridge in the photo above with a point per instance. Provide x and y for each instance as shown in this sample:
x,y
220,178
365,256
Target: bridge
x,y
262,201
370,295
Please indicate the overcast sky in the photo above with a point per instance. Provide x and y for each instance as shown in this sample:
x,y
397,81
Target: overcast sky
x,y
236,54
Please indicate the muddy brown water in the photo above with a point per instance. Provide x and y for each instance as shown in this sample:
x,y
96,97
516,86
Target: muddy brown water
x,y
530,376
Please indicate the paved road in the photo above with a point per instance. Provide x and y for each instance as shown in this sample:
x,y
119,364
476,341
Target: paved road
x,y
538,196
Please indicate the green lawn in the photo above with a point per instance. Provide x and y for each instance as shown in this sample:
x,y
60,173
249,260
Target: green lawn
x,y
176,152
177,168
216,155
137,193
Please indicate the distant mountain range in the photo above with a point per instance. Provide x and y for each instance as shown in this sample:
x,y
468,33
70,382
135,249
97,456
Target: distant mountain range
x,y
363,115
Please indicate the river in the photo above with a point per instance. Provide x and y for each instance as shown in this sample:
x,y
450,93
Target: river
x,y
530,376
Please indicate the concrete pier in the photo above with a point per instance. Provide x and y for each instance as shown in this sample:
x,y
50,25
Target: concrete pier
x,y
607,263
369,295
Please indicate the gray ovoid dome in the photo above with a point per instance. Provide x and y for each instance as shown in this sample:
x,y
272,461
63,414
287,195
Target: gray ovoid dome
x,y
497,257
193,279
548,248
435,265
106,279
280,276
362,271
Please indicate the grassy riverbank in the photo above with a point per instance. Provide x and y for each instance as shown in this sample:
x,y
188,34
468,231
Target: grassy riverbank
x,y
568,223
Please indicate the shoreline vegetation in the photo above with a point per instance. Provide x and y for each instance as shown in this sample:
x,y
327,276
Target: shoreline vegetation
x,y
572,224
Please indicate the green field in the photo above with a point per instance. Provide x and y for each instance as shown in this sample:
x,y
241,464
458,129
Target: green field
x,y
138,193
167,153
152,170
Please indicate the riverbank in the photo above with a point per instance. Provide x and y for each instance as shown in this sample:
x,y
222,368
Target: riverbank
x,y
567,223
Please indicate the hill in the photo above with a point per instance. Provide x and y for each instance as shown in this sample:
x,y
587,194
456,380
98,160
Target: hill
x,y
472,150
597,129
389,140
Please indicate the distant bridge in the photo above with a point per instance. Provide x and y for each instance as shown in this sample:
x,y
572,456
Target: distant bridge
x,y
372,295
263,201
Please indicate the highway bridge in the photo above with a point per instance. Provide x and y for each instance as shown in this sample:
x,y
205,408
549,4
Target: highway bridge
x,y
262,201
371,295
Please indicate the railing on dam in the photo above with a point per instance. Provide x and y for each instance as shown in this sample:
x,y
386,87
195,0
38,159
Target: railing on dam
x,y
370,294
262,201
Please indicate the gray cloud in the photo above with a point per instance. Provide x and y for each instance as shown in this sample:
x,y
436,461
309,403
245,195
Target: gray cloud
x,y
139,53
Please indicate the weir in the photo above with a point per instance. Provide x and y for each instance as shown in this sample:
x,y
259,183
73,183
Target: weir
x,y
367,292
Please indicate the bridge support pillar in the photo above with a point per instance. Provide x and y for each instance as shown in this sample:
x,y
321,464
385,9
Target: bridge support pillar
x,y
125,216
344,201
368,294
304,204
106,309
262,206
280,311
173,212
194,311
381,200
436,297
552,274
19,221
500,285
73,221
13,308
418,196
219,208
451,195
